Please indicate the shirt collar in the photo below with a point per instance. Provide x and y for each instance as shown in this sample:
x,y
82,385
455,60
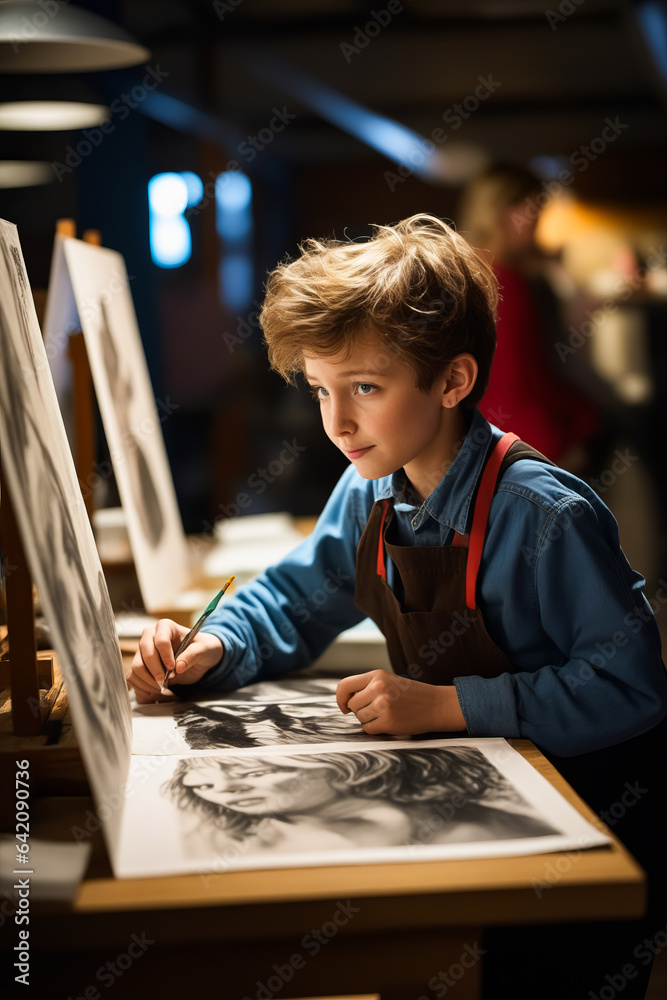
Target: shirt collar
x,y
450,502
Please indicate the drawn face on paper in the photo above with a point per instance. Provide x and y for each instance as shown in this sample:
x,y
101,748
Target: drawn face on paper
x,y
260,788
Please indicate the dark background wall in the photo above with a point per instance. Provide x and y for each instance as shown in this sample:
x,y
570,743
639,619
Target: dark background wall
x,y
557,74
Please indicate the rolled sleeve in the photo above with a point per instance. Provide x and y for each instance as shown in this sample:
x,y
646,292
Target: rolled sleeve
x,y
488,705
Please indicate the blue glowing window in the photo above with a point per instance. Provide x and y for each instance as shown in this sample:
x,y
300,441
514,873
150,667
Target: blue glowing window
x,y
233,221
169,194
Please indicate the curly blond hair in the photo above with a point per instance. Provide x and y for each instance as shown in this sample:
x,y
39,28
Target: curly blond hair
x,y
418,285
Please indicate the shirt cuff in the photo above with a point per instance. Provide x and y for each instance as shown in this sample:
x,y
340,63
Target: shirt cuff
x,y
488,705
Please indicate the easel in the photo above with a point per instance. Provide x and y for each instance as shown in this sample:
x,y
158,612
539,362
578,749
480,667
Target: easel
x,y
26,669
82,387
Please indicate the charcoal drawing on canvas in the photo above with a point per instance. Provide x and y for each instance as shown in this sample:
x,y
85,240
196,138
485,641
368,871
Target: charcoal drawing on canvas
x,y
55,529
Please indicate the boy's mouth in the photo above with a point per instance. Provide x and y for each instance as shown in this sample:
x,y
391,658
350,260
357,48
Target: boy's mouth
x,y
358,452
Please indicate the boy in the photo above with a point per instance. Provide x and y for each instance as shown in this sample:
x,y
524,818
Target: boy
x,y
497,578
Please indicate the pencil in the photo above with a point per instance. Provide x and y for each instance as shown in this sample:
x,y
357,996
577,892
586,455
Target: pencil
x,y
192,633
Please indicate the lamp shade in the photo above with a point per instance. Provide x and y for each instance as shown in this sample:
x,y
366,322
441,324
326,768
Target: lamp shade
x,y
25,173
50,116
44,36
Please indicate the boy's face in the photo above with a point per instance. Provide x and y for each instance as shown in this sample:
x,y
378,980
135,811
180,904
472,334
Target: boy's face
x,y
372,410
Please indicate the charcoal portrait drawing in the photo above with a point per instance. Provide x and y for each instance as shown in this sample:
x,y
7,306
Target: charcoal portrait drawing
x,y
221,724
350,800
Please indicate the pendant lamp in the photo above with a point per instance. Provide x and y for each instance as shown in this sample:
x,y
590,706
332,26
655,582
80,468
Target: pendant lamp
x,y
44,36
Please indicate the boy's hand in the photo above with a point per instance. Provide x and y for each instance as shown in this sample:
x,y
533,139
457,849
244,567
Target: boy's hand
x,y
387,703
155,658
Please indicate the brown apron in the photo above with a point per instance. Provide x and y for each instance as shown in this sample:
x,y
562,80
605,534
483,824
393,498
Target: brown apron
x,y
437,632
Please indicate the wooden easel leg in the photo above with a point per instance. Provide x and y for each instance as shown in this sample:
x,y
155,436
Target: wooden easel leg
x,y
26,716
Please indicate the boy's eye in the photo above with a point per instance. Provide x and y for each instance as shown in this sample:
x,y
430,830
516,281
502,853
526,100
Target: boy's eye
x,y
364,388
318,392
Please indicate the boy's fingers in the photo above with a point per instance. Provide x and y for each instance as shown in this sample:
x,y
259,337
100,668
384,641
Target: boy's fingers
x,y
348,687
140,678
167,636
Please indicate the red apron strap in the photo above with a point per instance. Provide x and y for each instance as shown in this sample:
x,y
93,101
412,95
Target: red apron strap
x,y
381,568
480,516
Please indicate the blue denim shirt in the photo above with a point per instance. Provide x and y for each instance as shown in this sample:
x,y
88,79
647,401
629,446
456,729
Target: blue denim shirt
x,y
554,587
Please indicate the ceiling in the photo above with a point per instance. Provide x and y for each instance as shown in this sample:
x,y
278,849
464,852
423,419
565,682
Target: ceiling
x,y
557,76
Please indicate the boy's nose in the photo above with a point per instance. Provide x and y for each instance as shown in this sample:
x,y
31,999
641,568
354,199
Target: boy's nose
x,y
340,420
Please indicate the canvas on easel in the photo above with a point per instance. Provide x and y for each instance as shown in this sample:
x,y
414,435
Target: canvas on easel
x,y
90,287
57,537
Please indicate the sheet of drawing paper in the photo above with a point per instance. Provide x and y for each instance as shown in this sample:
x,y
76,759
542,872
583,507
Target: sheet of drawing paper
x,y
132,420
292,711
58,539
327,805
201,728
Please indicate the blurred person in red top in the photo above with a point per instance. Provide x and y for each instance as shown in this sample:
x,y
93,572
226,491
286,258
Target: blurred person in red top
x,y
499,215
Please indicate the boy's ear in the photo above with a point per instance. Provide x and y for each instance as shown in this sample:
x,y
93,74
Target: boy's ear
x,y
460,377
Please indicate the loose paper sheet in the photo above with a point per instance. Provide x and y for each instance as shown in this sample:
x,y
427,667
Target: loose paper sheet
x,y
332,804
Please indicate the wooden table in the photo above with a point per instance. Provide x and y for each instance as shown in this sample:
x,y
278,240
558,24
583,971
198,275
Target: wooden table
x,y
385,929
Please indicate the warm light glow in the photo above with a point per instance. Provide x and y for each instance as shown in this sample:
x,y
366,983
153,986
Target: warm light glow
x,y
50,116
24,173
